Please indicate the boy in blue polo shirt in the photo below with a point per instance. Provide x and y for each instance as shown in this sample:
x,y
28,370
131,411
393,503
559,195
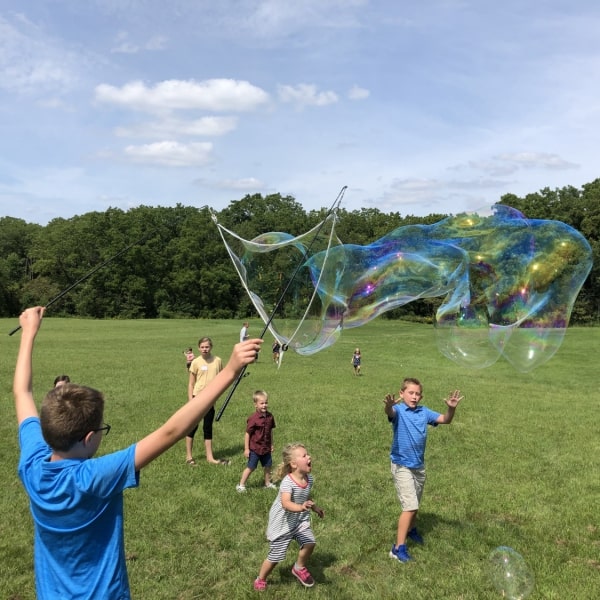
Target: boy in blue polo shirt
x,y
409,422
76,500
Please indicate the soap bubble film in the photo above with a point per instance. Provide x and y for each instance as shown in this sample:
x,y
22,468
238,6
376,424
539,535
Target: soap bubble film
x,y
509,573
507,283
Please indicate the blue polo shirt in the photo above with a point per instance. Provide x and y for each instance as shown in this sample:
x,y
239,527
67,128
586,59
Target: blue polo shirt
x,y
410,434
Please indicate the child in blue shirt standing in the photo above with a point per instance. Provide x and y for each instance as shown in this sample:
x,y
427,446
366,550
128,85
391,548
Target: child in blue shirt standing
x,y
409,422
76,500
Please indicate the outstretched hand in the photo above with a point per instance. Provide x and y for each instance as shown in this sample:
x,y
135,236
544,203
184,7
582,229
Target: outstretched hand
x,y
389,400
454,398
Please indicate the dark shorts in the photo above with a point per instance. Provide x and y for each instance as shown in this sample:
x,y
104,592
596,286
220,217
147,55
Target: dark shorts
x,y
265,460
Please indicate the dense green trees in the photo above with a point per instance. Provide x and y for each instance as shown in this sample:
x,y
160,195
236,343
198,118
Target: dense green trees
x,y
180,267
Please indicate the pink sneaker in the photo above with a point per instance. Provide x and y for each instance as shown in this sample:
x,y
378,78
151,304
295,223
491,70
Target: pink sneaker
x,y
303,576
260,585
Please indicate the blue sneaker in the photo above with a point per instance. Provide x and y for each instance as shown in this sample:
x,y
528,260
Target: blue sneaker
x,y
415,536
400,553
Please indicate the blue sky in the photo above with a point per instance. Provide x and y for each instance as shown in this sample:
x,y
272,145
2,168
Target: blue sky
x,y
417,107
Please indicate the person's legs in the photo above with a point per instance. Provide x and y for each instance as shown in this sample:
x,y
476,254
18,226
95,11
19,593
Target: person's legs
x,y
405,523
409,488
247,472
189,446
307,543
266,569
277,551
267,471
266,460
304,554
209,452
207,429
250,467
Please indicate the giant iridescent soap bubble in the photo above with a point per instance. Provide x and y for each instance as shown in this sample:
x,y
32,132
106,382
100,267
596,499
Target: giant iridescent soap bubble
x,y
507,283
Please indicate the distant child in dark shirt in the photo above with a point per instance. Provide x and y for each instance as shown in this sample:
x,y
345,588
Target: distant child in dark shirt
x,y
276,350
189,357
356,360
258,441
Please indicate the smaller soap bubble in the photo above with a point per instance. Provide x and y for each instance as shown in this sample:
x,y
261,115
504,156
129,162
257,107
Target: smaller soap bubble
x,y
510,574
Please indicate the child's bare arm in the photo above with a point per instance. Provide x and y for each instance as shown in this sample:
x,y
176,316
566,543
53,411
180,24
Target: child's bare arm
x,y
247,445
30,321
191,384
316,509
189,414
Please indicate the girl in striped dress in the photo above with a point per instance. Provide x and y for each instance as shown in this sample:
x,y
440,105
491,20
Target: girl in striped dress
x,y
289,517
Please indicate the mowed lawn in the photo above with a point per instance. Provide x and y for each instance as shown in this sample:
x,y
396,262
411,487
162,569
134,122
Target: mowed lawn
x,y
518,467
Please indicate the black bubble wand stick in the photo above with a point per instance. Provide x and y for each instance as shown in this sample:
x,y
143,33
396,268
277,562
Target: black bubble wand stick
x,y
89,274
302,260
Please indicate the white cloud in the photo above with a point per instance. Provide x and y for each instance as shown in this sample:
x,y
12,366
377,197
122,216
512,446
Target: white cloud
x,y
305,94
358,93
29,63
277,18
536,160
124,45
491,166
171,154
217,95
171,128
508,163
156,42
248,184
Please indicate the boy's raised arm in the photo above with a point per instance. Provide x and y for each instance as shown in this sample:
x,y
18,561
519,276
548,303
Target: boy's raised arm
x,y
180,423
30,321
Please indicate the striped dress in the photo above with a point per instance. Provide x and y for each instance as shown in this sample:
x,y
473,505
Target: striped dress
x,y
281,521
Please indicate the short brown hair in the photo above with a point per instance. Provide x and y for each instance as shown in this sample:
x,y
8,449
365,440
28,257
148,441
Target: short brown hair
x,y
411,380
68,413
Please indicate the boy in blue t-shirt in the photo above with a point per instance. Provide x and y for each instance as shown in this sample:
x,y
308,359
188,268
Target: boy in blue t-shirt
x,y
76,501
409,422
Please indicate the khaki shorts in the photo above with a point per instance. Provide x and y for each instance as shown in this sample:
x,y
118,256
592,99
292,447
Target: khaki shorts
x,y
409,486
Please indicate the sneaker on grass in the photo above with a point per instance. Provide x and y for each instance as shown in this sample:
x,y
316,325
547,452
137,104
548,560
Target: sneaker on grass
x,y
240,488
260,585
400,553
270,486
415,536
303,576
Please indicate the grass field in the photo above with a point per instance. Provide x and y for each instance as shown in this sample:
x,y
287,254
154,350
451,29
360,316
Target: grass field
x,y
518,467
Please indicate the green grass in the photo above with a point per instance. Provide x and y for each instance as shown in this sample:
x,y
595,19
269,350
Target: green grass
x,y
518,466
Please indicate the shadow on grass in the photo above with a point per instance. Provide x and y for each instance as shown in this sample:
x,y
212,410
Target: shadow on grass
x,y
317,564
430,524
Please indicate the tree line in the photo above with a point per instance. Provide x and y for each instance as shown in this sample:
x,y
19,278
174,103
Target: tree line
x,y
177,265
